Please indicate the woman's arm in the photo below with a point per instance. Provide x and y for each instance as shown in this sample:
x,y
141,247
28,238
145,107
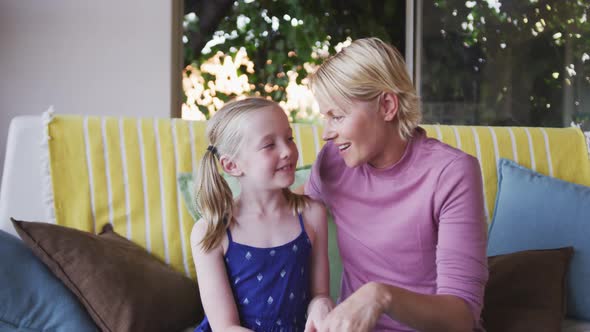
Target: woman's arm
x,y
363,308
321,303
216,294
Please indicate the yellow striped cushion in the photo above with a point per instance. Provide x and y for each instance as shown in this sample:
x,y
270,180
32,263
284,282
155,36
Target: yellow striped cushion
x,y
557,152
124,170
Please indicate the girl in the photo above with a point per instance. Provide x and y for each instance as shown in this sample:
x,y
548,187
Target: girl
x,y
262,257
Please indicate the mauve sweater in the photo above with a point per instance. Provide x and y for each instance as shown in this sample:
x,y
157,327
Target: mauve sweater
x,y
418,224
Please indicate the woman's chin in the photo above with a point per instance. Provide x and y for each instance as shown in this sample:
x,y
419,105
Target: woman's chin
x,y
352,162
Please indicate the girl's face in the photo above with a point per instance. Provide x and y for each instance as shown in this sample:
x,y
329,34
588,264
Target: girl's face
x,y
359,132
268,157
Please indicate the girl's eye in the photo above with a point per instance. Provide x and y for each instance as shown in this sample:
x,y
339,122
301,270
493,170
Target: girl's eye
x,y
337,118
268,146
291,138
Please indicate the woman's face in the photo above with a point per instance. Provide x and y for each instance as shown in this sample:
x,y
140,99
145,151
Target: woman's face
x,y
359,131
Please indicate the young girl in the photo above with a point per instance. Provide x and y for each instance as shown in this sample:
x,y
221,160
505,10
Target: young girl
x,y
262,258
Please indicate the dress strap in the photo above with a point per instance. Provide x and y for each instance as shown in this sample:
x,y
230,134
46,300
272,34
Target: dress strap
x,y
228,235
301,222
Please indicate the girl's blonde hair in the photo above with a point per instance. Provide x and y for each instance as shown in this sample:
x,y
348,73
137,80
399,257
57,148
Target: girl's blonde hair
x,y
362,71
214,200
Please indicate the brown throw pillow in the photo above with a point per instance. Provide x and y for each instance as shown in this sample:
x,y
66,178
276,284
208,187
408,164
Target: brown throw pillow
x,y
120,284
526,290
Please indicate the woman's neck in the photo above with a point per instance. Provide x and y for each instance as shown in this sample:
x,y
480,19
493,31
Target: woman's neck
x,y
393,149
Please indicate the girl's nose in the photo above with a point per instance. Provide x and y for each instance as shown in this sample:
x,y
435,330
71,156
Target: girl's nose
x,y
285,151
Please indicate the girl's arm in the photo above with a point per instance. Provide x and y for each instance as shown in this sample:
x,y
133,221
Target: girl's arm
x,y
321,303
216,295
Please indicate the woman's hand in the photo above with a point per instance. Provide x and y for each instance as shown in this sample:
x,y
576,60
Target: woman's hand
x,y
319,308
358,313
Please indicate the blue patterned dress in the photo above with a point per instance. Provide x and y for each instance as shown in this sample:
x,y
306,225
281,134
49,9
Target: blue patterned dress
x,y
270,285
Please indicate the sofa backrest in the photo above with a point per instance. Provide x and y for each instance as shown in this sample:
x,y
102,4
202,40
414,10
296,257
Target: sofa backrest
x,y
124,170
558,152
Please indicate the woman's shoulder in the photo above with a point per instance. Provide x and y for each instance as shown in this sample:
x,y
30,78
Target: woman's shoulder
x,y
329,162
328,153
443,154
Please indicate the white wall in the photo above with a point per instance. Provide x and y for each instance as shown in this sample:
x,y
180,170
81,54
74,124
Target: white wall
x,y
105,57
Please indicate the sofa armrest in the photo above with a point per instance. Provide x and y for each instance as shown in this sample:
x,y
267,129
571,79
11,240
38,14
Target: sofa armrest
x,y
21,192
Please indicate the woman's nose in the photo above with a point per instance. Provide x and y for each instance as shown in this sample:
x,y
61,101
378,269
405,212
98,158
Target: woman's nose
x,y
328,133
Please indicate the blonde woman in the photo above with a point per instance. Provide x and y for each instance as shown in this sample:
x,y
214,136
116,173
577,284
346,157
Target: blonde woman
x,y
262,257
408,208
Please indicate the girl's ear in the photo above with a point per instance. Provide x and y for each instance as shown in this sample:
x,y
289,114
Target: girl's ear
x,y
229,166
389,105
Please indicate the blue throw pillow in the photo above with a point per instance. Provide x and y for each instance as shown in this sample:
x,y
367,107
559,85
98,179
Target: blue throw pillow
x,y
185,183
534,211
31,297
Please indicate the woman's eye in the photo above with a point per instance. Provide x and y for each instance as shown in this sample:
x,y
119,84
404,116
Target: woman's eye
x,y
268,146
337,118
291,138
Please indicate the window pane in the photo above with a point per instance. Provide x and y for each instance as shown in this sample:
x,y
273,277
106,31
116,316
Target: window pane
x,y
505,62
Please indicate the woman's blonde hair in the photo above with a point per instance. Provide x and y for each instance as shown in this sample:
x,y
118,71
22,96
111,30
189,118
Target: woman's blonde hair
x,y
362,71
214,199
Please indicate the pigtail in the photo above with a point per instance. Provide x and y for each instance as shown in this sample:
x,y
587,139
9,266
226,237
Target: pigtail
x,y
214,200
296,202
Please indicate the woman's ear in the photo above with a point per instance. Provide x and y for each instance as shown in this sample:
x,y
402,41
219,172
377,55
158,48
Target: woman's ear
x,y
389,105
229,166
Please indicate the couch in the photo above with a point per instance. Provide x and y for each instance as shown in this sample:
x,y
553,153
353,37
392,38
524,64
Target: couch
x,y
22,195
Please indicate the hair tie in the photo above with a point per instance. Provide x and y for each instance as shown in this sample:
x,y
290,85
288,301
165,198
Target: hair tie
x,y
212,149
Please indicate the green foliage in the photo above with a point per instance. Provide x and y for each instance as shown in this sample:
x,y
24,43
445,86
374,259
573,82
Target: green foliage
x,y
463,60
511,56
282,36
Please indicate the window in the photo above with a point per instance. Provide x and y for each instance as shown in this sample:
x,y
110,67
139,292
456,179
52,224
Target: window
x,y
493,62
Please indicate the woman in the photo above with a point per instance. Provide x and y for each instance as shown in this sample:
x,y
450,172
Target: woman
x,y
408,209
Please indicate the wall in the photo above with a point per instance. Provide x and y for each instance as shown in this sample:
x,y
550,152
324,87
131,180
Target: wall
x,y
105,57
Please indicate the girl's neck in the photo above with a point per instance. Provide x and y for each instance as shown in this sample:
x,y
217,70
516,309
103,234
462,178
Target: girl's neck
x,y
261,203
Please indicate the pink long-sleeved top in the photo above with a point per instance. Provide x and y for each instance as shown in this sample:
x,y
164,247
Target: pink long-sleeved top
x,y
419,224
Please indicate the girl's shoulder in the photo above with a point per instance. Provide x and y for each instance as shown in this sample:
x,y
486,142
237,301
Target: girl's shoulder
x,y
314,216
313,208
199,232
